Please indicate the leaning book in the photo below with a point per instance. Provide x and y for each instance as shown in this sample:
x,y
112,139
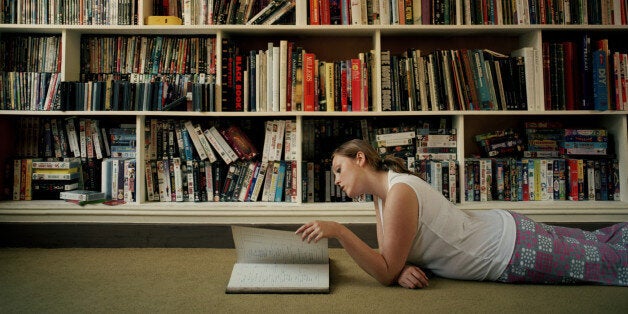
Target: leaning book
x,y
273,261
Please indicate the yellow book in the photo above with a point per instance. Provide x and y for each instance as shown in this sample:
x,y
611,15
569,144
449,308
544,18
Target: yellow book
x,y
57,171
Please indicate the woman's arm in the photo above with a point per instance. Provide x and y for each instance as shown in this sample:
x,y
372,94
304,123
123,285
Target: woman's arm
x,y
400,225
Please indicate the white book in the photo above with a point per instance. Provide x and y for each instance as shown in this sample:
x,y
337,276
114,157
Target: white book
x,y
356,12
283,75
70,128
223,143
220,149
276,79
195,140
163,181
290,140
278,148
278,261
178,179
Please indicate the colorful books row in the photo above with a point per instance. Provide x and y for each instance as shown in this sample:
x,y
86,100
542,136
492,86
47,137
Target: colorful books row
x,y
538,179
73,137
45,179
465,12
30,91
286,77
585,75
177,180
69,12
30,53
179,54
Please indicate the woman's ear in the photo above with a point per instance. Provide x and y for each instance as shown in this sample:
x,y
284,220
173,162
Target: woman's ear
x,y
360,158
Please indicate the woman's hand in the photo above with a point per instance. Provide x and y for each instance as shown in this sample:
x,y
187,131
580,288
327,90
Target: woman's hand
x,y
317,230
412,277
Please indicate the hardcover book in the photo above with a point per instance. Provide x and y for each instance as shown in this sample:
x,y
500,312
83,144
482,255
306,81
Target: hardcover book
x,y
273,261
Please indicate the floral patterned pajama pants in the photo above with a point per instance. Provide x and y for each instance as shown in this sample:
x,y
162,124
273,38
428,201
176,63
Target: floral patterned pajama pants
x,y
558,255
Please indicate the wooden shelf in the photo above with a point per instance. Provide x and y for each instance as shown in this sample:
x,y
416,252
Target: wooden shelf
x,y
281,213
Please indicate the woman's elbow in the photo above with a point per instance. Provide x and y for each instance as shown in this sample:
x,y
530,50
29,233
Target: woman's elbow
x,y
387,280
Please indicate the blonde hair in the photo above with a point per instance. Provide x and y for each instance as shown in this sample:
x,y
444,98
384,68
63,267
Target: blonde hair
x,y
351,148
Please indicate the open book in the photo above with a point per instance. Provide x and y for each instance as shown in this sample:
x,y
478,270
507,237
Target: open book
x,y
273,261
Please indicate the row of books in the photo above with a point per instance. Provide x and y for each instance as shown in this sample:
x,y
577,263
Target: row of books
x,y
465,79
412,144
178,180
46,178
584,75
69,12
72,137
217,12
148,54
286,77
319,185
466,12
540,179
545,140
550,139
30,53
216,141
187,161
37,91
118,179
160,93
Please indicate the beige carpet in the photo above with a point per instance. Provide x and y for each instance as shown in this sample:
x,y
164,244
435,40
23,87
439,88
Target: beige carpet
x,y
193,281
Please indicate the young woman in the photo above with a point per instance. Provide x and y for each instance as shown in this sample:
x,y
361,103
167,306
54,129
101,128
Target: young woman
x,y
419,229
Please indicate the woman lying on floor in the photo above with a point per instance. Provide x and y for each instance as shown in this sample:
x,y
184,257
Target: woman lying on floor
x,y
418,228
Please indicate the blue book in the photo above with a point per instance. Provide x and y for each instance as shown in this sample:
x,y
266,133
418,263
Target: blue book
x,y
600,80
281,174
479,74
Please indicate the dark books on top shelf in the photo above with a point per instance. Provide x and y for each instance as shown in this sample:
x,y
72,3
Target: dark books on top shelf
x,y
584,74
465,79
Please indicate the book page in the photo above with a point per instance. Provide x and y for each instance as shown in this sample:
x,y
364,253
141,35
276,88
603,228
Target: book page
x,y
254,245
247,277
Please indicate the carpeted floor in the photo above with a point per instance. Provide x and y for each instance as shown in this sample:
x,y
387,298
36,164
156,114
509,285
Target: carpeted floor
x,y
171,280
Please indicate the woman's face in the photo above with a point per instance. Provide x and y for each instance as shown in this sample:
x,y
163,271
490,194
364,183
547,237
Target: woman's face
x,y
347,173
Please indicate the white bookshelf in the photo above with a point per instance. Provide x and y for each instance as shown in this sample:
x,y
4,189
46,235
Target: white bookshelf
x,y
376,37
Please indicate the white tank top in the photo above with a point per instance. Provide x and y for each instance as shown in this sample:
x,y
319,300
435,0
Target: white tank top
x,y
454,243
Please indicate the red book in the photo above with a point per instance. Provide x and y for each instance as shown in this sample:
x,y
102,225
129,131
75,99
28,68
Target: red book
x,y
356,85
240,143
344,97
309,81
570,64
572,168
324,12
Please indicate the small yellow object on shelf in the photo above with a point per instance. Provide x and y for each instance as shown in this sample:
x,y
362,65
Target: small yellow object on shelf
x,y
163,20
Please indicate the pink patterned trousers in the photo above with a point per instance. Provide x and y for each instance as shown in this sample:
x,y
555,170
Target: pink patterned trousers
x,y
548,254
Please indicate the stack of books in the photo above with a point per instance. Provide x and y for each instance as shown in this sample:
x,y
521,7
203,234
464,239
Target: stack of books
x,y
500,143
544,139
50,178
82,197
590,142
